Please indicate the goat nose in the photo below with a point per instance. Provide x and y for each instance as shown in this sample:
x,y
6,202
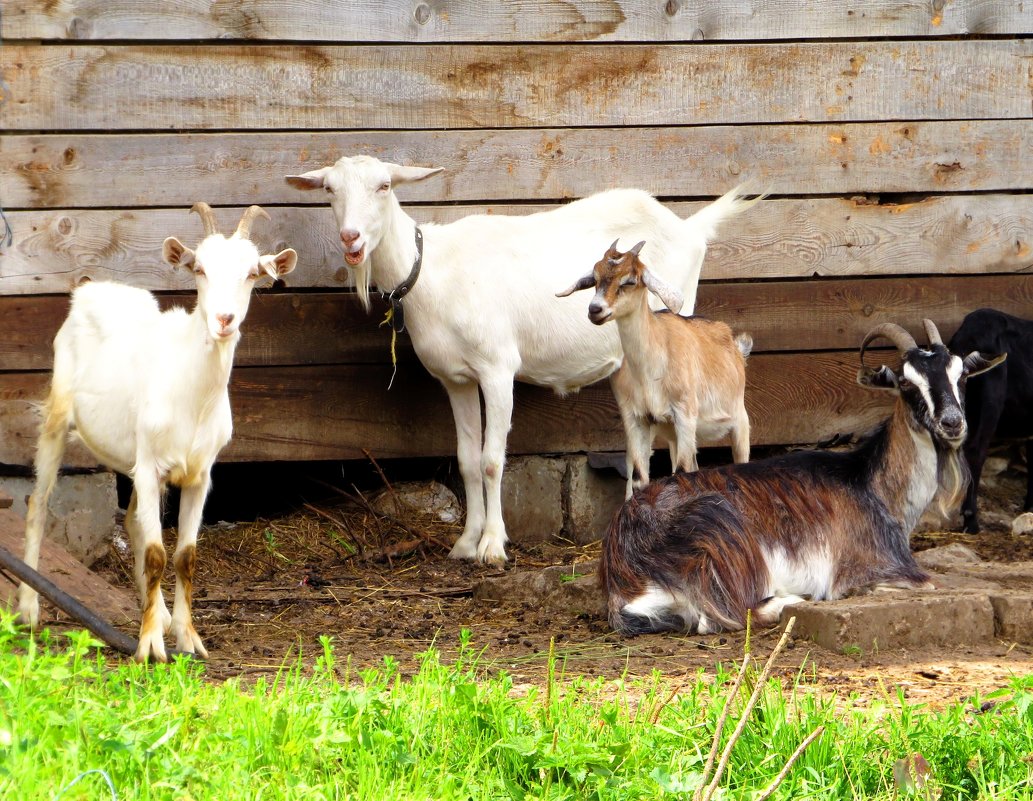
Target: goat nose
x,y
225,319
349,235
595,308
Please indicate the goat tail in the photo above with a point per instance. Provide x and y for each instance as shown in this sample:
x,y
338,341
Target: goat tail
x,y
706,221
744,342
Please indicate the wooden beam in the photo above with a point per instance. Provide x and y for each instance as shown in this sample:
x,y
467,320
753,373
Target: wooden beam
x,y
77,170
284,329
334,412
194,87
962,234
476,21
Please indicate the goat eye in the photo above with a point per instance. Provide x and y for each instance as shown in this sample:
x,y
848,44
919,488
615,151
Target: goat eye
x,y
629,282
199,270
384,186
329,190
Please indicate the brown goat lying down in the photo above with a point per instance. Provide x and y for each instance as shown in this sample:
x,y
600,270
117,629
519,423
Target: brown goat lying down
x,y
696,551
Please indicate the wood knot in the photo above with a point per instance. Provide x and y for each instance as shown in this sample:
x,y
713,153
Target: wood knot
x,y
422,13
671,8
64,226
69,155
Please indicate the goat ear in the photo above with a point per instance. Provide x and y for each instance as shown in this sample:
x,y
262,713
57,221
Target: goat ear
x,y
404,175
877,378
309,180
279,265
671,297
976,363
584,282
176,254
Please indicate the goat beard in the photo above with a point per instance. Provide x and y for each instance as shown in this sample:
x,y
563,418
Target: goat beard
x,y
361,273
952,478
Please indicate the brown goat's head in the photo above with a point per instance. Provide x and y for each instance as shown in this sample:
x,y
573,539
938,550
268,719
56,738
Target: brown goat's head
x,y
618,278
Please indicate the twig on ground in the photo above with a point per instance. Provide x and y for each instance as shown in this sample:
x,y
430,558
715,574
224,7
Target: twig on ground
x,y
707,792
360,548
810,738
379,471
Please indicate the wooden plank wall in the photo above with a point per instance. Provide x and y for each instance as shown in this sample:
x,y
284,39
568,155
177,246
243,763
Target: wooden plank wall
x,y
893,135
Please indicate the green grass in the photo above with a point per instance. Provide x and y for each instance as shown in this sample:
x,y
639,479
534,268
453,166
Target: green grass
x,y
451,732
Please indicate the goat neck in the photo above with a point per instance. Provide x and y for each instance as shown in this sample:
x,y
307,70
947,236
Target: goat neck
x,y
642,353
392,260
906,475
214,361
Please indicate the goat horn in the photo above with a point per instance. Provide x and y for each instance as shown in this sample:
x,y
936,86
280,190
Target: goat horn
x,y
894,333
204,211
244,228
932,333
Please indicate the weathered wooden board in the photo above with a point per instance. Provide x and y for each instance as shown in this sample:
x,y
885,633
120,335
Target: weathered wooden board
x,y
73,170
958,234
477,21
462,86
333,412
115,604
331,328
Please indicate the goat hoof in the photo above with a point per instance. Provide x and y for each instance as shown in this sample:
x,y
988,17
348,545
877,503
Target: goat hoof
x,y
190,643
462,550
492,553
151,644
28,612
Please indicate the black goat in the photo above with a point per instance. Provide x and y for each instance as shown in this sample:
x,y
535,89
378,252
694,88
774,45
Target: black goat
x,y
1000,404
696,551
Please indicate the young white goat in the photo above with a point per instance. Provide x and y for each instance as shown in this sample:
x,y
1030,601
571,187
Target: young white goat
x,y
696,551
682,377
483,311
146,392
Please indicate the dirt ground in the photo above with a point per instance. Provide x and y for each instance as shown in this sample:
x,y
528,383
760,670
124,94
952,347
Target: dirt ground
x,y
268,588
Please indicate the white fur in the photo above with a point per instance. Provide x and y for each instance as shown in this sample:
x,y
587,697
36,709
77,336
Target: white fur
x,y
810,575
483,311
146,392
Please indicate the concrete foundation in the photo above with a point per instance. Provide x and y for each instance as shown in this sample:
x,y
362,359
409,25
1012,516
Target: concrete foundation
x,y
82,511
553,498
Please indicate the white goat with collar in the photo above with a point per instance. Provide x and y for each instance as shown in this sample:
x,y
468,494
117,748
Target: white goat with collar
x,y
146,392
483,312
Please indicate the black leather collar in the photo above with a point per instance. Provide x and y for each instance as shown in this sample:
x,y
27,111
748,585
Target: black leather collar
x,y
395,295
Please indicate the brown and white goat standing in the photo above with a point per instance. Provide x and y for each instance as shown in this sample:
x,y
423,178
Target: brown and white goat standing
x,y
146,392
695,552
683,378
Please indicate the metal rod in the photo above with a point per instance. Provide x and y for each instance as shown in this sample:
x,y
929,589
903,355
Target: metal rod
x,y
67,604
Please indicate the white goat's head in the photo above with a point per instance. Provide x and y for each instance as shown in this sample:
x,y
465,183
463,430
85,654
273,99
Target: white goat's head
x,y
362,197
226,269
618,278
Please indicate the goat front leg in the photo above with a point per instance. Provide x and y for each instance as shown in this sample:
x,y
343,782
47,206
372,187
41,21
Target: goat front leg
x,y
685,434
191,504
638,436
498,414
150,561
466,409
136,542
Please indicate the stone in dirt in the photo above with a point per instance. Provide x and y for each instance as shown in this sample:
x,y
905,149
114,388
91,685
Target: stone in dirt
x,y
1023,524
424,497
567,588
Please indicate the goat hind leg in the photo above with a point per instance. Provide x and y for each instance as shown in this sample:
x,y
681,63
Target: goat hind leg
x,y
466,410
49,450
741,436
498,414
191,504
